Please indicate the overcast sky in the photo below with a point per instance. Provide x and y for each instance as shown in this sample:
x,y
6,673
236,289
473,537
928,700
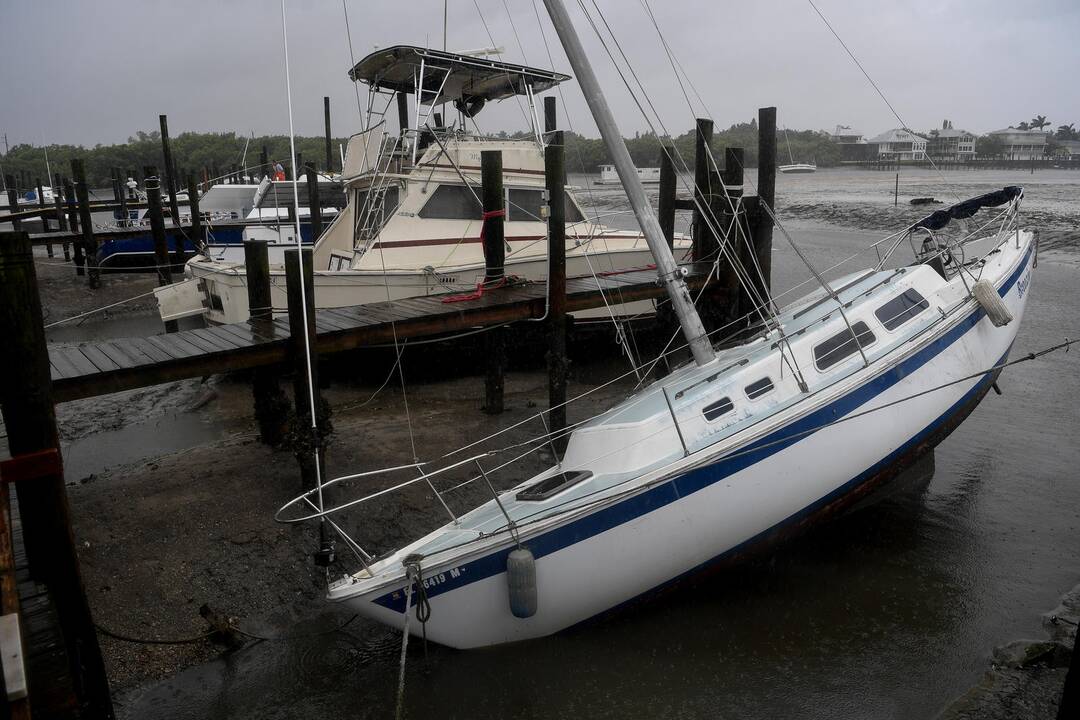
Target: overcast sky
x,y
95,71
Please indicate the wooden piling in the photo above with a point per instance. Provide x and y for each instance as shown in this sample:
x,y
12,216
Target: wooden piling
x,y
305,443
555,173
30,420
170,182
551,120
329,143
157,230
703,240
196,230
491,178
264,162
89,244
61,215
44,218
314,206
666,322
73,221
766,187
13,200
733,225
271,407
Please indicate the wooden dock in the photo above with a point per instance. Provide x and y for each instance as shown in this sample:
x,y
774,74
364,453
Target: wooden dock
x,y
98,368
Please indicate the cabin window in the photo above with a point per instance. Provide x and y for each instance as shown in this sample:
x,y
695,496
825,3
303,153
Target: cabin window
x,y
901,308
758,388
718,409
390,201
525,205
842,345
452,202
553,485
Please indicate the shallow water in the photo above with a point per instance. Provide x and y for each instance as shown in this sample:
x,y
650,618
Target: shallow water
x,y
887,613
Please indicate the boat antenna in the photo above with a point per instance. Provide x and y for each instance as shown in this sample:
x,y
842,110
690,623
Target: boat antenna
x,y
300,252
670,274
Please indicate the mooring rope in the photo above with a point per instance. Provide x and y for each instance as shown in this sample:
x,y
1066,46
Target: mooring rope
x,y
400,711
98,309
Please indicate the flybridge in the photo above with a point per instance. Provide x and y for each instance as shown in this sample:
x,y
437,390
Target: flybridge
x,y
453,76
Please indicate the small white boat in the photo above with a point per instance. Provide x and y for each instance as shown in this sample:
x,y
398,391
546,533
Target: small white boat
x,y
798,168
744,446
608,175
794,167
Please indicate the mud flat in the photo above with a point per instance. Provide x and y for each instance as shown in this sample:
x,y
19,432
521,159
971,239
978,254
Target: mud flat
x,y
161,537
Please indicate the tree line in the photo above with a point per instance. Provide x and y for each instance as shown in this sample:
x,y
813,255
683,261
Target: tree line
x,y
219,152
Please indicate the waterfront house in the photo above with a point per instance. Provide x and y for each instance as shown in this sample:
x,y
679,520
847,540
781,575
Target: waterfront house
x,y
951,145
899,144
1021,144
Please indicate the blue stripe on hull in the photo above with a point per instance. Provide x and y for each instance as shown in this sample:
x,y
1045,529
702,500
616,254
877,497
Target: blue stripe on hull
x,y
697,479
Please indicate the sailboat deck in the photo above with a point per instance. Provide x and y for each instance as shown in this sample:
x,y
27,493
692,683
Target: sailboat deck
x,y
98,368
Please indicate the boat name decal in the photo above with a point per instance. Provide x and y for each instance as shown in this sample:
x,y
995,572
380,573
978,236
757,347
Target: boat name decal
x,y
1023,283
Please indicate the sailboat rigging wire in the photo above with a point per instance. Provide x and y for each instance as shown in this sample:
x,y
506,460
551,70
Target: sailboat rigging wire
x,y
706,212
352,64
491,39
879,92
300,261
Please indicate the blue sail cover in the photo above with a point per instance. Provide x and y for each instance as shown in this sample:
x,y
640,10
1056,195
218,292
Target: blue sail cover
x,y
967,208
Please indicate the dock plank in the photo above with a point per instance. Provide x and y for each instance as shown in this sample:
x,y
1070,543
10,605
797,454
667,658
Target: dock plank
x,y
101,361
174,346
153,351
82,365
199,342
58,361
121,360
224,341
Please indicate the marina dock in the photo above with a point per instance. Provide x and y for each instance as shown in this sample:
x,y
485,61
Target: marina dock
x,y
98,368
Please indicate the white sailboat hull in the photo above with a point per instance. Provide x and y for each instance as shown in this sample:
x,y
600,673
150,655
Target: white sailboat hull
x,y
702,510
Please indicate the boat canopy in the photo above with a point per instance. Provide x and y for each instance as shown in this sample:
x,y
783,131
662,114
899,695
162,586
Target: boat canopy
x,y
402,67
967,208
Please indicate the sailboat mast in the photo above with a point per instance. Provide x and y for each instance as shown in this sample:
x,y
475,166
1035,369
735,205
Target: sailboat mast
x,y
666,267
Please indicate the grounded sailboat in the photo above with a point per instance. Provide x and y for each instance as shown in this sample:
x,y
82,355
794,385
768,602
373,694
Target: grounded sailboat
x,y
745,445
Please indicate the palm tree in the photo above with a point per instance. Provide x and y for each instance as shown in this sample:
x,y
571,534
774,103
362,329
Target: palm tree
x,y
1038,122
1067,132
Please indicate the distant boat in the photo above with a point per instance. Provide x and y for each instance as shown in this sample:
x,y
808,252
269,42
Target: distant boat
x,y
795,167
608,176
798,168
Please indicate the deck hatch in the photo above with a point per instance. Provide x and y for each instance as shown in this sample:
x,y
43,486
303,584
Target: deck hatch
x,y
553,485
901,308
